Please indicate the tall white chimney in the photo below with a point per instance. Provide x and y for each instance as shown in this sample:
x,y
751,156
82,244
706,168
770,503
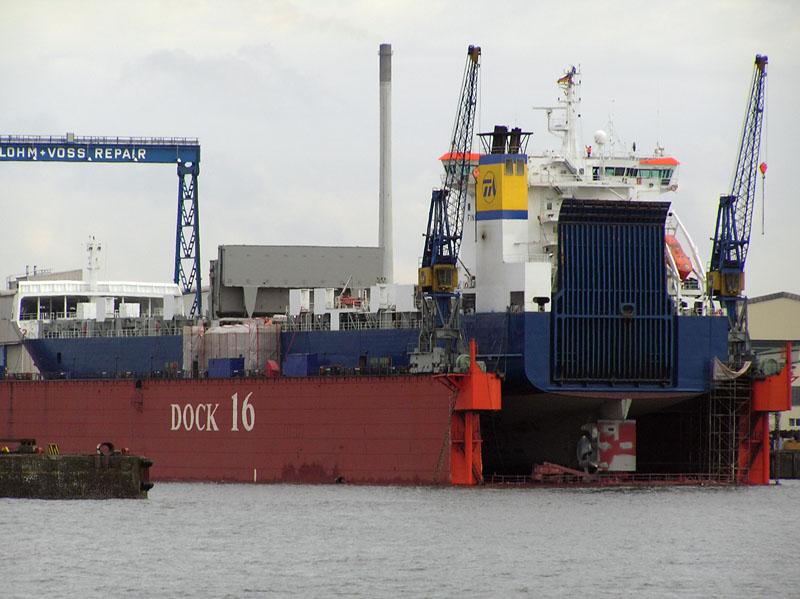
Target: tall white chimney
x,y
385,193
94,249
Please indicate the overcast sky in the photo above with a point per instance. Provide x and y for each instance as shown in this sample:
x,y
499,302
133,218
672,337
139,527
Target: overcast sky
x,y
283,97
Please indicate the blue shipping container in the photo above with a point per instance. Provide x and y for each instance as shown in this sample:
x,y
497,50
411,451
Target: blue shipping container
x,y
222,368
300,365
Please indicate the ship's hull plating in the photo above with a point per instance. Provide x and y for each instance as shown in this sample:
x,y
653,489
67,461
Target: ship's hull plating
x,y
379,430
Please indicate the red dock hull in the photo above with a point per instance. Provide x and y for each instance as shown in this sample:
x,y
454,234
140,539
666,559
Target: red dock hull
x,y
379,430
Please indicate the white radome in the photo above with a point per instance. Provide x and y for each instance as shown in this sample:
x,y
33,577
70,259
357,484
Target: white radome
x,y
600,137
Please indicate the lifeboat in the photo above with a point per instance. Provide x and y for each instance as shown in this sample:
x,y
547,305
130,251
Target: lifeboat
x,y
680,258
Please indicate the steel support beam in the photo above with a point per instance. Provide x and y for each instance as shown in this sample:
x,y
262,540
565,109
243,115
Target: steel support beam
x,y
187,236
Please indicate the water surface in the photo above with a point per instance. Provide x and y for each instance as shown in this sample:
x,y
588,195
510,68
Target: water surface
x,y
206,540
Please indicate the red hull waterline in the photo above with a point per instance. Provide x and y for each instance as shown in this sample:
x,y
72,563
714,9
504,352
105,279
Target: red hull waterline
x,y
368,430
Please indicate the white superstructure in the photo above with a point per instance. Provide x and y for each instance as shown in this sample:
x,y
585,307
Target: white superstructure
x,y
62,301
508,260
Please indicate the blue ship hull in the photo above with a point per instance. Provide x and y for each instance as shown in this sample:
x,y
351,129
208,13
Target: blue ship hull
x,y
106,357
518,346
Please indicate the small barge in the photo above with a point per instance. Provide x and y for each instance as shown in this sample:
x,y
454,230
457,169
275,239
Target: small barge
x,y
28,471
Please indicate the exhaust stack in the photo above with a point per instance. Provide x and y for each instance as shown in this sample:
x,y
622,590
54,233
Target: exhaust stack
x,y
385,191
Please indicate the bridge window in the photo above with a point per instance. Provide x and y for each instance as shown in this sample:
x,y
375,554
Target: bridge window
x,y
520,167
509,166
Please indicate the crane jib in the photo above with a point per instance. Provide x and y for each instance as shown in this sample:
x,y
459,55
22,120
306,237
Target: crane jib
x,y
440,333
446,215
735,210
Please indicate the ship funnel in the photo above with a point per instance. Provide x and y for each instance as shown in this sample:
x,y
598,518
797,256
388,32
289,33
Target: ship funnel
x,y
385,192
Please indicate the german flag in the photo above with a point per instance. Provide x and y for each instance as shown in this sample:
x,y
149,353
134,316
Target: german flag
x,y
568,77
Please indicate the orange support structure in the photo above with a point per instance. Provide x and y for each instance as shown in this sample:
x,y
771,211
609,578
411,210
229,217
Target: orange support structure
x,y
753,462
475,391
773,394
466,458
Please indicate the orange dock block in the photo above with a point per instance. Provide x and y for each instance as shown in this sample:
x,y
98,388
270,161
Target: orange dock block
x,y
774,393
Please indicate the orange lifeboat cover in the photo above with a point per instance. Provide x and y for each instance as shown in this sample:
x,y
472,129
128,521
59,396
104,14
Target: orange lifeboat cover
x,y
678,255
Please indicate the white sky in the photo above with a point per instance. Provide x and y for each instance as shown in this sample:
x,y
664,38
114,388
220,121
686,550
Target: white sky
x,y
284,99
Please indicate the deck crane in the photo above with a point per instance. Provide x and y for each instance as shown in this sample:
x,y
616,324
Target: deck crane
x,y
438,273
735,214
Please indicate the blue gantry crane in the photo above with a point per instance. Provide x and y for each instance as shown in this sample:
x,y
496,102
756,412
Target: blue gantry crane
x,y
735,212
440,331
183,152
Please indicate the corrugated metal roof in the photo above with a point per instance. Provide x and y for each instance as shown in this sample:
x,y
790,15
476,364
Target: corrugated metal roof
x,y
774,296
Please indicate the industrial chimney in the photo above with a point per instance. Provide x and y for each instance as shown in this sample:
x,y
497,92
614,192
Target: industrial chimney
x,y
385,192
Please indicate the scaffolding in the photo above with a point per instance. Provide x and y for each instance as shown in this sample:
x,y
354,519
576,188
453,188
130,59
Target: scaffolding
x,y
730,428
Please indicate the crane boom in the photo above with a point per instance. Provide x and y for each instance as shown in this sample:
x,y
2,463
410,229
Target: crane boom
x,y
440,330
734,219
446,216
735,211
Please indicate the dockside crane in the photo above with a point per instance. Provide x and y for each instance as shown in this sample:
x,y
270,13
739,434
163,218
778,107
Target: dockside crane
x,y
734,218
440,331
180,151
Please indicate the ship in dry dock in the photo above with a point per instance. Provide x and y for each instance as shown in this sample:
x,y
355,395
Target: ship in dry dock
x,y
582,292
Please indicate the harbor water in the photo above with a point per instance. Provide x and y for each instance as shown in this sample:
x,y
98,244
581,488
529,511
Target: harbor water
x,y
207,540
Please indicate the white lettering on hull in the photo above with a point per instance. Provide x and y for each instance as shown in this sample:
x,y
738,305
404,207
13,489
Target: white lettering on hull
x,y
248,413
202,417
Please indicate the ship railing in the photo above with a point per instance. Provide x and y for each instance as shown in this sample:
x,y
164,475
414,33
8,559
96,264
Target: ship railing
x,y
81,375
324,371
100,375
32,316
361,325
526,255
72,315
618,479
305,326
373,325
113,333
173,373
